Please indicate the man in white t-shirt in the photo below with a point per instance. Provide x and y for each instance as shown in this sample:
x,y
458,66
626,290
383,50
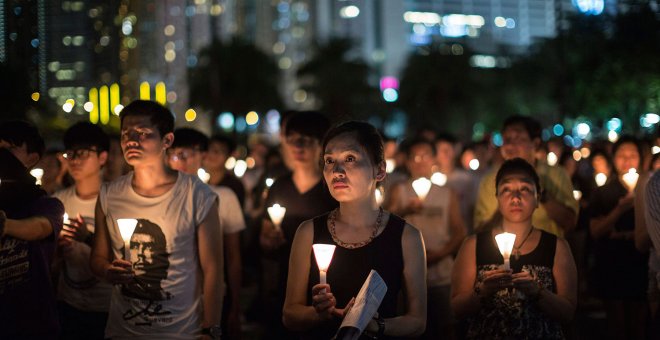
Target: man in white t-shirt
x,y
186,155
167,282
83,300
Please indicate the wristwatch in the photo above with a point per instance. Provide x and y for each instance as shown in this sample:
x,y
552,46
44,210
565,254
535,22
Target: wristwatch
x,y
215,332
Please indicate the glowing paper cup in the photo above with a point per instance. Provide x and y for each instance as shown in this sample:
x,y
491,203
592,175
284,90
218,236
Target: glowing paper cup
x,y
276,213
323,254
439,179
577,194
390,164
631,178
203,175
505,243
379,197
126,228
601,179
421,187
38,174
65,219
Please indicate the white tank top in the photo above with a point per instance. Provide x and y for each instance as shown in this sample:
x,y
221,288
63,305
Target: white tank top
x,y
165,300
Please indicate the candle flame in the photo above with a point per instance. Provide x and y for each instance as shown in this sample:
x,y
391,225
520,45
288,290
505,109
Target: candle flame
x,y
505,243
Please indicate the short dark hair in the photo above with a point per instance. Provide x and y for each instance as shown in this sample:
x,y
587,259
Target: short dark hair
x,y
190,138
530,124
158,115
19,132
406,146
446,137
226,140
307,123
627,139
517,166
365,134
85,134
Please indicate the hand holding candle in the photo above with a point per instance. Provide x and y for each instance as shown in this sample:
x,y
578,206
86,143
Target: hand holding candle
x,y
505,243
630,178
323,254
126,228
203,175
37,173
276,213
65,219
421,186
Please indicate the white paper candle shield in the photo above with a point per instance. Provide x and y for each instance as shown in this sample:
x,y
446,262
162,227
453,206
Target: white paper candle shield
x,y
65,219
439,179
126,228
421,187
505,243
631,178
323,254
240,168
601,179
379,197
276,213
552,159
38,174
203,175
577,194
390,164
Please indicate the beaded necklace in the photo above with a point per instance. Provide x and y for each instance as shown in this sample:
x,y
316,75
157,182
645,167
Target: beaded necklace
x,y
333,233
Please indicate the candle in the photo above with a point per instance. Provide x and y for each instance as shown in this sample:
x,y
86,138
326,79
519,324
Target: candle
x,y
269,182
552,159
203,175
421,187
601,179
126,228
379,197
631,178
38,173
577,194
240,168
505,243
390,164
323,254
439,179
276,213
66,220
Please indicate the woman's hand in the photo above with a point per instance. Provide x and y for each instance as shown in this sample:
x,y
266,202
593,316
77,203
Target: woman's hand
x,y
324,303
526,283
271,237
76,229
494,281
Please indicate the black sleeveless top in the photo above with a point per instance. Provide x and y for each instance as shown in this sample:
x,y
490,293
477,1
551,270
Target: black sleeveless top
x,y
350,267
510,314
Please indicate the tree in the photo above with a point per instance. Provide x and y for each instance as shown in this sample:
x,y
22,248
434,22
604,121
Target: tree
x,y
234,77
339,83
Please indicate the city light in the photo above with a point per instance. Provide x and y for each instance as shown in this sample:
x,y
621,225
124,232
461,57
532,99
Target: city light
x,y
190,115
252,118
558,130
299,96
474,164
582,130
586,152
161,93
349,12
67,107
35,96
648,120
226,120
88,106
428,18
612,136
552,159
114,97
483,61
94,99
500,22
614,124
145,91
390,95
389,83
577,155
104,104
590,7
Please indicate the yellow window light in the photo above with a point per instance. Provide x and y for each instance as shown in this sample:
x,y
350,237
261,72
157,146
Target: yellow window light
x,y
94,99
104,104
161,93
145,91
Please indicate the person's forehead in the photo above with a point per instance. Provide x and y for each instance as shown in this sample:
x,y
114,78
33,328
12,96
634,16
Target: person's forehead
x,y
515,129
343,142
516,177
137,122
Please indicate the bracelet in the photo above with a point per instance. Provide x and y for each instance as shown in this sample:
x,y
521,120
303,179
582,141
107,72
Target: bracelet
x,y
3,219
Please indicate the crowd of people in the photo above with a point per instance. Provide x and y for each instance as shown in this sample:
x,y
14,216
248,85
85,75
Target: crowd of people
x,y
203,259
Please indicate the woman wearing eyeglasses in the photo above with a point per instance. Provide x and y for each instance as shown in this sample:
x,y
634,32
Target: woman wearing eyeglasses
x,y
531,300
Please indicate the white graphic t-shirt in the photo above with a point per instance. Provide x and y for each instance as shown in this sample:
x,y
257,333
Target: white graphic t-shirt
x,y
77,285
164,302
231,214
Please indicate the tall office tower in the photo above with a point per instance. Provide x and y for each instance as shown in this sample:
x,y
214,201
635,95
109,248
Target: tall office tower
x,y
23,38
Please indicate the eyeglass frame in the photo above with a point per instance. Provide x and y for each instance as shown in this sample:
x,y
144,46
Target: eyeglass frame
x,y
79,153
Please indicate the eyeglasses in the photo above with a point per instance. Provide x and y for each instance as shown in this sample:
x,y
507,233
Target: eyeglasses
x,y
182,156
81,154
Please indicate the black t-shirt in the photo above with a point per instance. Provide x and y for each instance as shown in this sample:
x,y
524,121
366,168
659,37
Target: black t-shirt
x,y
299,208
233,183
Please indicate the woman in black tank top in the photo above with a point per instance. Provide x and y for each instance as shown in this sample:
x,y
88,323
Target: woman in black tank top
x,y
366,237
539,292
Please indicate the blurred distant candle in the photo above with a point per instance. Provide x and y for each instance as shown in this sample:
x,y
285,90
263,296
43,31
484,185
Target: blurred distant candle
x,y
552,159
65,219
240,168
631,178
379,197
439,179
505,243
323,254
203,175
421,186
601,179
389,165
126,229
269,182
577,194
38,173
276,213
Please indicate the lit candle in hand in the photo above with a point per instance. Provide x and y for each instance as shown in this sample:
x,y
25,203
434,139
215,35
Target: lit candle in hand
x,y
505,243
65,219
439,179
379,197
276,213
126,228
203,175
631,178
601,179
38,174
577,194
421,186
323,254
